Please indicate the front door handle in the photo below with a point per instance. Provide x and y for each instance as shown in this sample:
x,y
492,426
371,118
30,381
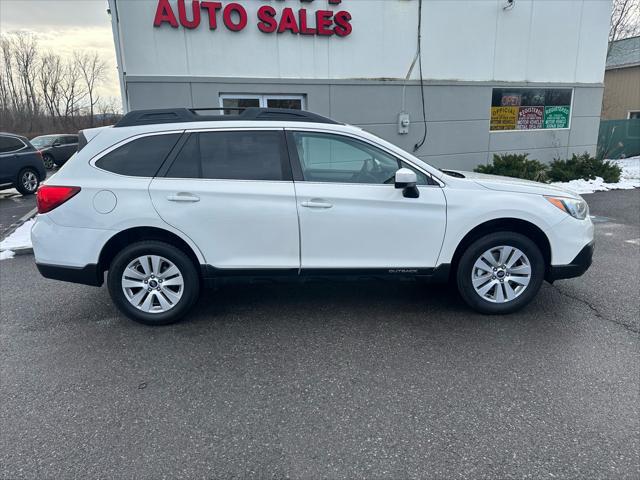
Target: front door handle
x,y
316,203
183,197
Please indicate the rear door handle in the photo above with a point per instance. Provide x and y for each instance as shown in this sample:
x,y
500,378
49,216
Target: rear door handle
x,y
316,203
183,197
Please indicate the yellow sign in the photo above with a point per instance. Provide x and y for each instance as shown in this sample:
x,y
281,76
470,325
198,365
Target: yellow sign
x,y
504,118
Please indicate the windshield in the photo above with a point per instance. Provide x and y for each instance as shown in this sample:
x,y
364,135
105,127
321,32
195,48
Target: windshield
x,y
43,141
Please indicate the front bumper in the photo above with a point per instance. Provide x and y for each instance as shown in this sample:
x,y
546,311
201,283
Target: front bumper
x,y
577,267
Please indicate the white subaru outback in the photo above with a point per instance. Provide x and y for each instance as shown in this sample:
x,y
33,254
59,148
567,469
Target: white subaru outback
x,y
167,201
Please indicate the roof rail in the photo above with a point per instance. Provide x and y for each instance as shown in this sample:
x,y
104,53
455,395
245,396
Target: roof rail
x,y
182,115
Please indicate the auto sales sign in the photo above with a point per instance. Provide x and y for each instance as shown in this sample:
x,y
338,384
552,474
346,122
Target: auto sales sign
x,y
233,16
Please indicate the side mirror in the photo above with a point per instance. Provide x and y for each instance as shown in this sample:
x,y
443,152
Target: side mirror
x,y
56,143
407,180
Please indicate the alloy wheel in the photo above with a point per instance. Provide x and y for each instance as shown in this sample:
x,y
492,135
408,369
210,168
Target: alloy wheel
x,y
153,284
29,181
48,162
501,274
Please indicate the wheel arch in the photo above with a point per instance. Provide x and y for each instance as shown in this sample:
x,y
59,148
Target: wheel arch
x,y
136,234
516,225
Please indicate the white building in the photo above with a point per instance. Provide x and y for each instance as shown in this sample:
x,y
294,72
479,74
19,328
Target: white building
x,y
498,76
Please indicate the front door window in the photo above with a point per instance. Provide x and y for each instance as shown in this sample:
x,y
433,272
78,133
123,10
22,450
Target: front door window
x,y
338,159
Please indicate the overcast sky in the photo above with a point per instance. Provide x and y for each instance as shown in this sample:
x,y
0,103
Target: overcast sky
x,y
65,26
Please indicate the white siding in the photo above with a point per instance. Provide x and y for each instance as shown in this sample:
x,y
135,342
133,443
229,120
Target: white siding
x,y
537,41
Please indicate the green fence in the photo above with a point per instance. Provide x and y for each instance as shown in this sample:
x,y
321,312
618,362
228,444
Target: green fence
x,y
619,138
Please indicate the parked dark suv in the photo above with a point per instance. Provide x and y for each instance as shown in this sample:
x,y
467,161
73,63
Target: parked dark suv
x,y
56,149
21,164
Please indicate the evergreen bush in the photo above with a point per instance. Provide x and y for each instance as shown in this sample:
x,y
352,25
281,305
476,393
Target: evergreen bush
x,y
515,165
577,167
583,166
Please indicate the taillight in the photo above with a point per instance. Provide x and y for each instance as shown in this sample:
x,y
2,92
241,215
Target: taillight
x,y
50,197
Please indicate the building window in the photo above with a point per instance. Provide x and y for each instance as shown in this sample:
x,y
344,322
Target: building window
x,y
531,108
234,102
634,114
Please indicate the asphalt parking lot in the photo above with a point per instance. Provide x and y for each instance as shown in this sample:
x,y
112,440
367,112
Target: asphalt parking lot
x,y
13,207
329,380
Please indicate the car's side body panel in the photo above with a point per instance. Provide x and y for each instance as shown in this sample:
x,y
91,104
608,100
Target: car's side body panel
x,y
11,163
351,226
467,208
237,224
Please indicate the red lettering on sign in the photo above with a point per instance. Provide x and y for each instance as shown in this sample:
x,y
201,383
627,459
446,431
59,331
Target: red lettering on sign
x,y
164,13
304,29
234,16
288,21
267,23
212,9
324,22
228,19
343,24
182,11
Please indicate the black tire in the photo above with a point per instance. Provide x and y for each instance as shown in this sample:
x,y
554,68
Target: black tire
x,y
476,249
48,161
22,181
191,287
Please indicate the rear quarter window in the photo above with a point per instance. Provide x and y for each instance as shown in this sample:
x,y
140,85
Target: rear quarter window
x,y
10,144
142,157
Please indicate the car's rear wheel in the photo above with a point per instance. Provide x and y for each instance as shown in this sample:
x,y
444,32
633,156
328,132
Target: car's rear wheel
x,y
153,282
28,181
500,273
48,161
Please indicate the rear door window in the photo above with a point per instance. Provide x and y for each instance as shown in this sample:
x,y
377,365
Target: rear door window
x,y
10,144
247,155
141,157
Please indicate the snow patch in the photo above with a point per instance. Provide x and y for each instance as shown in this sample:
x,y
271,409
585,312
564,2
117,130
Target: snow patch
x,y
629,179
21,238
6,254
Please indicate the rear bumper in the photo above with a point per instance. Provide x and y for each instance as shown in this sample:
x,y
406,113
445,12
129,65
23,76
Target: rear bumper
x,y
87,275
577,267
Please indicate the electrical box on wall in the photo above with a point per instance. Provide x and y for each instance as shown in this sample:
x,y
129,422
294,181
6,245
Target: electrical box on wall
x,y
403,123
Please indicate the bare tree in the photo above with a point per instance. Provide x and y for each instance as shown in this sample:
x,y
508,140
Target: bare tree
x,y
25,53
41,91
50,79
625,20
72,92
108,109
92,68
12,87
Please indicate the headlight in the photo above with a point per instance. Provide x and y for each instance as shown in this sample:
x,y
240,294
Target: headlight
x,y
576,208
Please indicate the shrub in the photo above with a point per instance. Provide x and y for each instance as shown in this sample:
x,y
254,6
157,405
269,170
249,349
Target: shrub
x,y
515,165
583,166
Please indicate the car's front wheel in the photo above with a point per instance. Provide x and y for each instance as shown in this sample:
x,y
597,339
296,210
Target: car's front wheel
x,y
153,282
500,273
